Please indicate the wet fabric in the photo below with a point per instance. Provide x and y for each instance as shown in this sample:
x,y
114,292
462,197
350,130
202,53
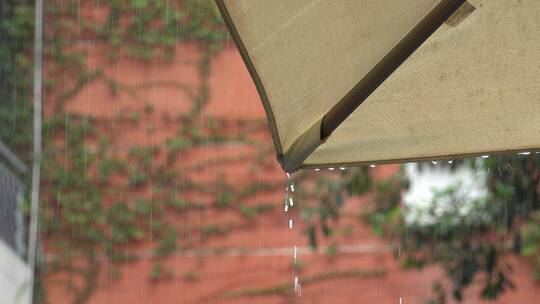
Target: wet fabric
x,y
472,88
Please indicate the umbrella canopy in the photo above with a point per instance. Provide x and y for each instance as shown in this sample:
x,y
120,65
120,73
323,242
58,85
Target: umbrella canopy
x,y
435,79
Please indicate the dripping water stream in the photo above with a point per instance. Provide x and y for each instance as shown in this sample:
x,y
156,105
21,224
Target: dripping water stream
x,y
288,204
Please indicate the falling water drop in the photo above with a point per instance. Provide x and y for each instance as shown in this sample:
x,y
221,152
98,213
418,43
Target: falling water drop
x,y
485,156
450,161
289,203
524,153
288,199
317,169
331,169
342,168
372,166
297,287
434,162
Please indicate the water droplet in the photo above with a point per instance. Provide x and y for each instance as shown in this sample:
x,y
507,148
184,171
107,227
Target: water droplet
x,y
485,156
288,199
331,169
342,168
524,153
450,161
297,287
434,162
372,166
317,169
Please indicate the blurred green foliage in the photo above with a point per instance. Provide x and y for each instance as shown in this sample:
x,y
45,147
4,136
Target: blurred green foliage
x,y
469,239
77,217
16,33
143,28
329,192
531,242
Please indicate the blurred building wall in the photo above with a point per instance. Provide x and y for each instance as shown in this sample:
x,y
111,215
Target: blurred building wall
x,y
14,272
14,277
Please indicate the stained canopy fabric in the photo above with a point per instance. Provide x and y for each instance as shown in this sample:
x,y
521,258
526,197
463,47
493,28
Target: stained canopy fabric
x,y
472,88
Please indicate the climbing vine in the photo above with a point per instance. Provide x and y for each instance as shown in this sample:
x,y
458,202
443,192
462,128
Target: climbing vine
x,y
96,199
16,32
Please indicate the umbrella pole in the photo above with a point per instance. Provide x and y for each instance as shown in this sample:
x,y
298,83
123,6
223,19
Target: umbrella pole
x,y
382,70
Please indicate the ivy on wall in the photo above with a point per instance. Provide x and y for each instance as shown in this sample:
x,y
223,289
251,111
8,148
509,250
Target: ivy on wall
x,y
79,224
82,215
16,32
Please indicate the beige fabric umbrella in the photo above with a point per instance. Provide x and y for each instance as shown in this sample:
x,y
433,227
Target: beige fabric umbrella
x,y
435,78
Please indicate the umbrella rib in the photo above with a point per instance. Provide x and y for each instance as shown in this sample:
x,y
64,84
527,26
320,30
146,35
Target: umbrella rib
x,y
302,147
388,64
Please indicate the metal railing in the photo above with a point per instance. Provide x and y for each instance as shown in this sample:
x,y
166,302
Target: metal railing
x,y
12,226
